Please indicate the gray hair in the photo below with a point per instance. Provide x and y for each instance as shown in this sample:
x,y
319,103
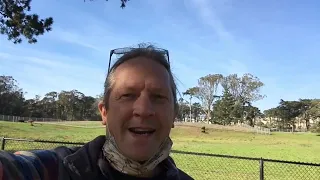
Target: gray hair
x,y
149,52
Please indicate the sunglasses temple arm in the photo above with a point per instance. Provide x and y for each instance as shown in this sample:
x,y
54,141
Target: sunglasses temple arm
x,y
111,52
168,56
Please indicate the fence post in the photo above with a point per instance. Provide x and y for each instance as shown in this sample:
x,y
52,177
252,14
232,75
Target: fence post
x,y
261,169
3,142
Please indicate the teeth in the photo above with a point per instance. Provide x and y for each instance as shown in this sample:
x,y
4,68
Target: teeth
x,y
141,130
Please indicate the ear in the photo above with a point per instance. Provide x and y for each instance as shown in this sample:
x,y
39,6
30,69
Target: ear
x,y
175,116
174,119
103,112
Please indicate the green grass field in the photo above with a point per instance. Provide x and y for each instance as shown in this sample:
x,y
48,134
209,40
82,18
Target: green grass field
x,y
304,147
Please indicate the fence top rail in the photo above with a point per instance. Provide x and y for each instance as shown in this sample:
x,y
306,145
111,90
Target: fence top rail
x,y
213,155
44,141
292,162
245,158
179,152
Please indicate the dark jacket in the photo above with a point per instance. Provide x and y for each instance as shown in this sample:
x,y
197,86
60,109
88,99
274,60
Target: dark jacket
x,y
77,163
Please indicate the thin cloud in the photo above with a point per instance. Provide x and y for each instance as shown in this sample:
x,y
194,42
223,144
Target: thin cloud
x,y
44,72
4,56
94,38
204,9
74,38
74,55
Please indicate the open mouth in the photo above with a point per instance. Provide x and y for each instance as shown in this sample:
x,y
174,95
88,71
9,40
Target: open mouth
x,y
142,131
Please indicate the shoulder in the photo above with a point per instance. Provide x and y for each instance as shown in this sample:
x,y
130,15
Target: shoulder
x,y
63,151
46,164
184,176
38,164
24,164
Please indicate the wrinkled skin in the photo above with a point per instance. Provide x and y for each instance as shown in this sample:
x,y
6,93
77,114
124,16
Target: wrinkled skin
x,y
141,96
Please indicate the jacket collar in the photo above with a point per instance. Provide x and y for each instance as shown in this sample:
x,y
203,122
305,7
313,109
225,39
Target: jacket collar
x,y
88,162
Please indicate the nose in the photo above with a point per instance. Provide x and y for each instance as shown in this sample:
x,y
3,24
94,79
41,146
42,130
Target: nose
x,y
143,107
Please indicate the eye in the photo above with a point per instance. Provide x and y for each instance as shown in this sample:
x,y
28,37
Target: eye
x,y
159,97
127,96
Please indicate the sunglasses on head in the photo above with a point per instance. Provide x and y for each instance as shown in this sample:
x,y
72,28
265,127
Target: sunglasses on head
x,y
123,51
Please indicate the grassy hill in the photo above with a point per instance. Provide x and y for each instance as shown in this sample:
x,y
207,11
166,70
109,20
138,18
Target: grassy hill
x,y
303,147
286,146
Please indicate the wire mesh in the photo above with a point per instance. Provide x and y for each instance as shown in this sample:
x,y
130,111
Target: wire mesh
x,y
203,166
210,167
13,145
289,171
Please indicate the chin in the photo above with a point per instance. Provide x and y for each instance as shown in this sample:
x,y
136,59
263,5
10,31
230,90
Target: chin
x,y
142,157
139,156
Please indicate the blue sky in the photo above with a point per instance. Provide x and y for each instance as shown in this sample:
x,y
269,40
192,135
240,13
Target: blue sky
x,y
276,41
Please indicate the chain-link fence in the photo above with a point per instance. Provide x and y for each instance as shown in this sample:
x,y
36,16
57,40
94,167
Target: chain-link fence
x,y
213,166
14,144
205,166
25,119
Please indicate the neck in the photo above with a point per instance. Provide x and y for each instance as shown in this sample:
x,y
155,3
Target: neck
x,y
151,173
126,165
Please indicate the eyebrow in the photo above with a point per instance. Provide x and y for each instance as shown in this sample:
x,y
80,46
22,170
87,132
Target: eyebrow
x,y
158,89
150,89
128,88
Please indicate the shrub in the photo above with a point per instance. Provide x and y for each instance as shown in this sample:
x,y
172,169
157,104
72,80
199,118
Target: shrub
x,y
203,129
31,122
261,124
316,128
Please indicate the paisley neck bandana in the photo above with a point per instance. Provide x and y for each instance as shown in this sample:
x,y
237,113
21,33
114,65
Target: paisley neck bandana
x,y
129,166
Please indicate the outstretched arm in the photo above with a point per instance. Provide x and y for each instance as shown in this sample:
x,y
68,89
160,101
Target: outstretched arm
x,y
37,165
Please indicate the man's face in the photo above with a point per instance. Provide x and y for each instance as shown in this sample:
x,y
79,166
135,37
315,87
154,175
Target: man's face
x,y
141,108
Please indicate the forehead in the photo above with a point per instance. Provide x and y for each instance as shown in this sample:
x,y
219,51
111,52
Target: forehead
x,y
142,71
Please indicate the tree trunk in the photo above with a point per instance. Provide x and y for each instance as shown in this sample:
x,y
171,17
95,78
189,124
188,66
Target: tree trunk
x,y
251,122
190,113
307,124
293,126
208,115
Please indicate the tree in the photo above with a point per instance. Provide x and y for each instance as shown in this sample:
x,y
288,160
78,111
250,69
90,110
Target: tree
x,y
224,108
87,109
191,92
289,111
316,127
11,96
305,114
251,114
245,89
49,103
98,99
207,92
197,111
66,105
183,110
273,117
123,3
314,109
16,21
